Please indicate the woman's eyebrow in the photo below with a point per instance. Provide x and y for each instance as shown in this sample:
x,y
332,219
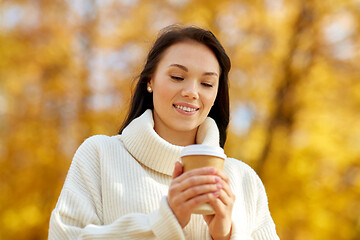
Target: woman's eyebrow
x,y
179,66
186,69
210,74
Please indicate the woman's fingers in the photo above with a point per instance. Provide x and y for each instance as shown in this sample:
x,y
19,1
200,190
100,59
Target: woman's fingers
x,y
178,170
198,182
192,203
227,196
194,186
220,223
196,172
194,181
223,176
199,190
225,199
190,189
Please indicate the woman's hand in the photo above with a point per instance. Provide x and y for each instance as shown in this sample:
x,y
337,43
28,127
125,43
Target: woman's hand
x,y
220,223
189,190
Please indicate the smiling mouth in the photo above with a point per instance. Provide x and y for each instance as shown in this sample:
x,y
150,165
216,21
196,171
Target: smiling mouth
x,y
186,109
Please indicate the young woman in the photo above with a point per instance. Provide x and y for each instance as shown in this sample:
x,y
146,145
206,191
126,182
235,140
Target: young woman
x,y
132,186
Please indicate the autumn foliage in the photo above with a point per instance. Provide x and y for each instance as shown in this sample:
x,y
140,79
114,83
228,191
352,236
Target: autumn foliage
x,y
67,70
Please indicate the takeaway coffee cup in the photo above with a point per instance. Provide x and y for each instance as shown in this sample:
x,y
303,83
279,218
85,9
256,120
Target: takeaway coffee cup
x,y
197,156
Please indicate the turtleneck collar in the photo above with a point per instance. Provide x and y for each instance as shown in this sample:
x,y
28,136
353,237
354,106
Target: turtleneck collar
x,y
147,147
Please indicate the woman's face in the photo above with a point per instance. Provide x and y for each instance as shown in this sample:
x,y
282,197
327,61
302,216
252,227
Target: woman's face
x,y
185,86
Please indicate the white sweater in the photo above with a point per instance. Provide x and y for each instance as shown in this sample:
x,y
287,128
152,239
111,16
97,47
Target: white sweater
x,y
116,188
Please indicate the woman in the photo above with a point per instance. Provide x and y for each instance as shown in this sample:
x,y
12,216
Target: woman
x,y
131,186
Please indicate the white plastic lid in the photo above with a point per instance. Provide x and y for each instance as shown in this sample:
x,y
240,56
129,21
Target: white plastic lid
x,y
200,149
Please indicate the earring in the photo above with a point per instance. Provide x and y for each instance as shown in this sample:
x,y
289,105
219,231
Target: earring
x,y
149,89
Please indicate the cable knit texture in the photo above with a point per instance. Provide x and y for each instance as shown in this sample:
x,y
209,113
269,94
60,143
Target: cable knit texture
x,y
116,188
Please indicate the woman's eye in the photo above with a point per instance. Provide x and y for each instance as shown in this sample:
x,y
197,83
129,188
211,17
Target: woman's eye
x,y
177,78
207,85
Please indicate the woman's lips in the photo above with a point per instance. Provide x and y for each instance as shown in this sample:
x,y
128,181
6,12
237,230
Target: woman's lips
x,y
186,108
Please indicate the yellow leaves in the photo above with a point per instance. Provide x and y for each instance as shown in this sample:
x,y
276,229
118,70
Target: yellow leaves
x,y
24,217
202,17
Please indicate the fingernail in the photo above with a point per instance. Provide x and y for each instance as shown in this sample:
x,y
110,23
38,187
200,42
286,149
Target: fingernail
x,y
219,186
217,179
216,193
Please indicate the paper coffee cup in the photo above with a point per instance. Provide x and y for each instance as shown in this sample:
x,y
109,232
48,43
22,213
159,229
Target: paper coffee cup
x,y
198,156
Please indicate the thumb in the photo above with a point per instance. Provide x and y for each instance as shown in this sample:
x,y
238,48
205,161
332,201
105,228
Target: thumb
x,y
178,170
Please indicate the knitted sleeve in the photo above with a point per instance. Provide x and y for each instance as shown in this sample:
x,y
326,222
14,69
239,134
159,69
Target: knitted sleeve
x,y
78,212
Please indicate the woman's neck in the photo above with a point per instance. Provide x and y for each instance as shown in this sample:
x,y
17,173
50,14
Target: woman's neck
x,y
174,137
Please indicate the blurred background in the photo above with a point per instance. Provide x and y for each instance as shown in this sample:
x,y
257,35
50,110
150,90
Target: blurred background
x,y
67,69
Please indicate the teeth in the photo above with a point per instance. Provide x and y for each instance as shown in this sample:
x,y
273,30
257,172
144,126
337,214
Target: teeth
x,y
187,109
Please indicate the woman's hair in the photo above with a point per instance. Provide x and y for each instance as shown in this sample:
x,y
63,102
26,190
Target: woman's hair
x,y
142,99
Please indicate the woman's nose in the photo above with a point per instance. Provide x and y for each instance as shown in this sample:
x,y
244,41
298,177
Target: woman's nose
x,y
190,90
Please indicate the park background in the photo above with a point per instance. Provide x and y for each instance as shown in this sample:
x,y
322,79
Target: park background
x,y
67,69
